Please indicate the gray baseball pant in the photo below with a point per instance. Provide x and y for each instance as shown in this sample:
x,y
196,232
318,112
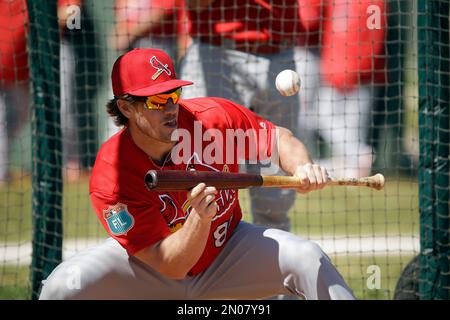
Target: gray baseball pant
x,y
255,263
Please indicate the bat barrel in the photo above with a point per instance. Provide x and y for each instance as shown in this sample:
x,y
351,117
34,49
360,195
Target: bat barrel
x,y
177,180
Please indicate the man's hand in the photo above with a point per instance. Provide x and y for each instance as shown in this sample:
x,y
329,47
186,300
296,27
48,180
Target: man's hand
x,y
313,177
203,202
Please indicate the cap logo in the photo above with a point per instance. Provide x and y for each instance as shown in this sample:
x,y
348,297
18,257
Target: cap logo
x,y
160,67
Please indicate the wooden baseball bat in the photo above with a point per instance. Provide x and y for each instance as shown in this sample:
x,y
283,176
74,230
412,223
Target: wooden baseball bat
x,y
177,180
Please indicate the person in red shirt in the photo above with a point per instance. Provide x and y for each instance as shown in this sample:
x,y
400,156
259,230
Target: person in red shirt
x,y
188,245
80,68
14,75
341,81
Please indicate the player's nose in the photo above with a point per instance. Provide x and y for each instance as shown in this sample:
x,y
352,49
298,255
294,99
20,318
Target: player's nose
x,y
170,107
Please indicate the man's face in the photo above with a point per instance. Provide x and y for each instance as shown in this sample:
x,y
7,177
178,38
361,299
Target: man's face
x,y
156,124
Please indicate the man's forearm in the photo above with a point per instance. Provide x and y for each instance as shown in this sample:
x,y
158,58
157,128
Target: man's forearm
x,y
175,255
292,151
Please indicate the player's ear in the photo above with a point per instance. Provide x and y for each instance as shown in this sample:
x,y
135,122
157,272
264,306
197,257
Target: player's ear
x,y
125,107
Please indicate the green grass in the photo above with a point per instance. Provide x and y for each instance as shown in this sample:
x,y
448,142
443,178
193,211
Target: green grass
x,y
79,220
15,284
352,211
355,272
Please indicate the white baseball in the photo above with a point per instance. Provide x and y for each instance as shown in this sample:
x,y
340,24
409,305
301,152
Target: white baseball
x,y
287,82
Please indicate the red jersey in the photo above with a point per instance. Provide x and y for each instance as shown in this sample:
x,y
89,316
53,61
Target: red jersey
x,y
353,43
13,43
137,217
247,21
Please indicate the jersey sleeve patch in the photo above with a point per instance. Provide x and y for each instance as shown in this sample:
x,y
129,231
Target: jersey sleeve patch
x,y
118,219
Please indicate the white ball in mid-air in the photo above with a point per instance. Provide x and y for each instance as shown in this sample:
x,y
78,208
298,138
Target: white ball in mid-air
x,y
287,82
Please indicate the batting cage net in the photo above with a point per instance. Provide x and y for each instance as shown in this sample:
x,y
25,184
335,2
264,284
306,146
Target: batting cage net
x,y
373,98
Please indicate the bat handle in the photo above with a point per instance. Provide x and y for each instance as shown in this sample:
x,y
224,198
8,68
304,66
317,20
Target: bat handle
x,y
375,181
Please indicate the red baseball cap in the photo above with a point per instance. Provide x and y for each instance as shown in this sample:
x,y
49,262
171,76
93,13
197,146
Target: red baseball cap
x,y
144,72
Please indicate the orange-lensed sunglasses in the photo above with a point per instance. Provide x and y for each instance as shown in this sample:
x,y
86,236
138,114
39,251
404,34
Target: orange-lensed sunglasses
x,y
158,101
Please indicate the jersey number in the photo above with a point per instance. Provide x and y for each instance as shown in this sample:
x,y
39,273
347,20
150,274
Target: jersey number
x,y
220,235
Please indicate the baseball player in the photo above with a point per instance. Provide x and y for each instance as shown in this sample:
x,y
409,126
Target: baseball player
x,y
79,82
187,245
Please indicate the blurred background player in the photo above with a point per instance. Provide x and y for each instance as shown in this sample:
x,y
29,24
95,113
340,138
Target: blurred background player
x,y
341,61
14,76
80,80
238,49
